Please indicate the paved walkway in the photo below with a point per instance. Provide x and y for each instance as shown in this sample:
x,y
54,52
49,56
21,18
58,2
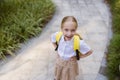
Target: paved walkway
x,y
37,57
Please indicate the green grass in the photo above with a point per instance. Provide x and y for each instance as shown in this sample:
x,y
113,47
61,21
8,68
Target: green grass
x,y
21,20
113,66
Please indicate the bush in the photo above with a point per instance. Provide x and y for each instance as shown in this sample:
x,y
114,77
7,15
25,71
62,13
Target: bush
x,y
21,20
115,9
113,65
114,58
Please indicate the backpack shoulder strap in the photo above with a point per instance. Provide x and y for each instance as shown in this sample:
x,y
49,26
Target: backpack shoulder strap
x,y
58,36
76,45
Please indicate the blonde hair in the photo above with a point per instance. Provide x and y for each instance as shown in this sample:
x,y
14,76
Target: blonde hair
x,y
69,18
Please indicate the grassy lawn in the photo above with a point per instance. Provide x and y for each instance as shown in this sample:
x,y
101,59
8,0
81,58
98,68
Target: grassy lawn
x,y
21,20
113,66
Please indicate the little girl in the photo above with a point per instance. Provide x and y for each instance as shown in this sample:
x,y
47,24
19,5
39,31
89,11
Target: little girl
x,y
66,64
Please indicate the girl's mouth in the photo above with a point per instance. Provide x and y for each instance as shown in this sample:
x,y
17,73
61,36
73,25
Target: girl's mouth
x,y
68,37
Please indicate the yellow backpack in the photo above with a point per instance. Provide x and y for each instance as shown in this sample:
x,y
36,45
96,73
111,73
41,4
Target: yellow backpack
x,y
76,43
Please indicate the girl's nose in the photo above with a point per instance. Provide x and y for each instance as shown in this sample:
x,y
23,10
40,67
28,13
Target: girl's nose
x,y
69,33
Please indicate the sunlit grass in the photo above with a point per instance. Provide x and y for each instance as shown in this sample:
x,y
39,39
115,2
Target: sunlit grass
x,y
21,20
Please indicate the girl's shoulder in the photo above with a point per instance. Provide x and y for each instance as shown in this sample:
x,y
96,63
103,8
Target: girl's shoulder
x,y
83,43
82,40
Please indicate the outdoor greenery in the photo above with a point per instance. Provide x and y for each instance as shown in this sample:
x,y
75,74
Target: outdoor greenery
x,y
113,66
21,20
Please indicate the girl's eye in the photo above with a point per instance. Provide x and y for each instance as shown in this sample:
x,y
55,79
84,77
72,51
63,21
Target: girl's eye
x,y
73,30
66,29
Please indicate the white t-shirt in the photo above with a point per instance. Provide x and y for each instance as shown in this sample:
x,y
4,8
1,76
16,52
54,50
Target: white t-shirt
x,y
65,48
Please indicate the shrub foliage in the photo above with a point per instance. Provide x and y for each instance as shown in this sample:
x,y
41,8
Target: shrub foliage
x,y
21,20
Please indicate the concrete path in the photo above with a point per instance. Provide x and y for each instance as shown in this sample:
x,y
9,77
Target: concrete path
x,y
37,57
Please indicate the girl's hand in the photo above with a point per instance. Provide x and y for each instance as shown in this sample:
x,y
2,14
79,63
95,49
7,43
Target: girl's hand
x,y
87,54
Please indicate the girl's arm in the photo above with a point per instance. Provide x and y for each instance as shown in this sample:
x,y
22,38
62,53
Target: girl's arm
x,y
86,54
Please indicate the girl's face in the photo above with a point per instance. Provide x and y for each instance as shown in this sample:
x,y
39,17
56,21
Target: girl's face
x,y
68,29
